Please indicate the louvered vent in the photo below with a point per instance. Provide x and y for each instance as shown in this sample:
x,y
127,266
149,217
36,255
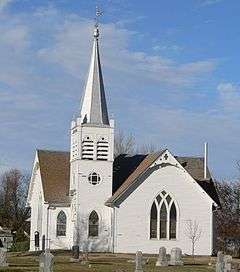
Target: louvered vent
x,y
87,149
102,150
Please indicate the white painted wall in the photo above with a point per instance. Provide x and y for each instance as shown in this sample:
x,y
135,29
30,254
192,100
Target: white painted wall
x,y
37,204
132,218
90,197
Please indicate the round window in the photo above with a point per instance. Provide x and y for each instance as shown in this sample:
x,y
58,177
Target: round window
x,y
94,178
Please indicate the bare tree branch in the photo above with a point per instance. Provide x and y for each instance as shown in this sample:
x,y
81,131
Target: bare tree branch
x,y
193,232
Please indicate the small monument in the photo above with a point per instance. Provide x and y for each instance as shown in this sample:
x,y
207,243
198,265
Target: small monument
x,y
227,263
3,257
220,262
162,257
139,261
176,256
75,254
46,261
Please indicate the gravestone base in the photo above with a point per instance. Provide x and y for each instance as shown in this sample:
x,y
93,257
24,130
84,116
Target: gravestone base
x,y
162,263
176,263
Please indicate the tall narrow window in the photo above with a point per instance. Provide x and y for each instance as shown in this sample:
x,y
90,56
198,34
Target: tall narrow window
x,y
61,224
93,224
153,221
173,219
163,222
163,217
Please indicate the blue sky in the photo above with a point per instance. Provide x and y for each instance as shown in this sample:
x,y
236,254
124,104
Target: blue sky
x,y
170,68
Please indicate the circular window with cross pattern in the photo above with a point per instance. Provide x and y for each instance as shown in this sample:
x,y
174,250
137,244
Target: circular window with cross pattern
x,y
94,178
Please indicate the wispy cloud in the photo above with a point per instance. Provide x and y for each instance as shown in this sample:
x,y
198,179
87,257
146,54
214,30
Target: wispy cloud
x,y
44,60
210,2
230,96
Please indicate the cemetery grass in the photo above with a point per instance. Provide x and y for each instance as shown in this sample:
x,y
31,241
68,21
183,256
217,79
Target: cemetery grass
x,y
102,263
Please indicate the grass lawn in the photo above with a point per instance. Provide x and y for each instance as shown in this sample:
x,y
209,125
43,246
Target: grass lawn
x,y
102,263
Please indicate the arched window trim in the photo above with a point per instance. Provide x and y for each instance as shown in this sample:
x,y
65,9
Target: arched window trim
x,y
168,207
99,220
61,228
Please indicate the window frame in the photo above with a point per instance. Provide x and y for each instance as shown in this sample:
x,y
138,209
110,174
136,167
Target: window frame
x,y
94,225
60,224
98,176
168,206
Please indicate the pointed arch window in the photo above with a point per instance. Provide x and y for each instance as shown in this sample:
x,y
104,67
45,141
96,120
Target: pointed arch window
x,y
163,221
93,224
61,224
163,217
173,221
153,224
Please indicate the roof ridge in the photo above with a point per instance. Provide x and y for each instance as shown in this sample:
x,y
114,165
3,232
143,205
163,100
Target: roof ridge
x,y
48,150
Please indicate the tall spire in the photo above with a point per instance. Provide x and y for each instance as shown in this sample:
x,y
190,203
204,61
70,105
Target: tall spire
x,y
94,106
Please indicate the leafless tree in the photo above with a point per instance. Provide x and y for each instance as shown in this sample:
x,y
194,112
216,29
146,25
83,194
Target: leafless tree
x,y
123,144
126,144
13,193
193,232
228,216
147,148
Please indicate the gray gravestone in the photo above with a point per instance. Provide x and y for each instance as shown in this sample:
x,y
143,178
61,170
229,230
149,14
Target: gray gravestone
x,y
220,262
227,263
138,262
75,254
176,256
46,261
162,257
3,257
41,262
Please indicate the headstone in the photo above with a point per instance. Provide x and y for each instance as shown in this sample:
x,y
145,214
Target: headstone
x,y
3,257
41,262
138,262
176,256
162,257
220,262
46,261
75,254
227,263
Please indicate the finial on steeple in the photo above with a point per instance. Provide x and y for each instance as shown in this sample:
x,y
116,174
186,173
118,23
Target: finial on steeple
x,y
96,27
93,104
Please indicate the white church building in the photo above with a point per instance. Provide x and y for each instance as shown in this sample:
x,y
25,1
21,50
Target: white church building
x,y
87,197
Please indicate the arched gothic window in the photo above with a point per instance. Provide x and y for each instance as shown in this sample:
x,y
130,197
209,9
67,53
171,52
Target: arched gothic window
x,y
163,217
153,223
93,224
61,224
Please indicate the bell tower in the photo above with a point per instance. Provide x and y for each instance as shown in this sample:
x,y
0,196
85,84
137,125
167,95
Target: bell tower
x,y
91,161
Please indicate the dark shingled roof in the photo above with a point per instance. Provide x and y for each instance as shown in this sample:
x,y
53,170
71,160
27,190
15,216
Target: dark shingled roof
x,y
55,169
126,169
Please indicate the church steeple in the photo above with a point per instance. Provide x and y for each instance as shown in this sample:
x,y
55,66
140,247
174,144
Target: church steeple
x,y
94,106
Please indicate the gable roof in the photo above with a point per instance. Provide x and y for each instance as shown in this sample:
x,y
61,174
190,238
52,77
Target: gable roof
x,y
193,165
55,170
143,165
55,174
